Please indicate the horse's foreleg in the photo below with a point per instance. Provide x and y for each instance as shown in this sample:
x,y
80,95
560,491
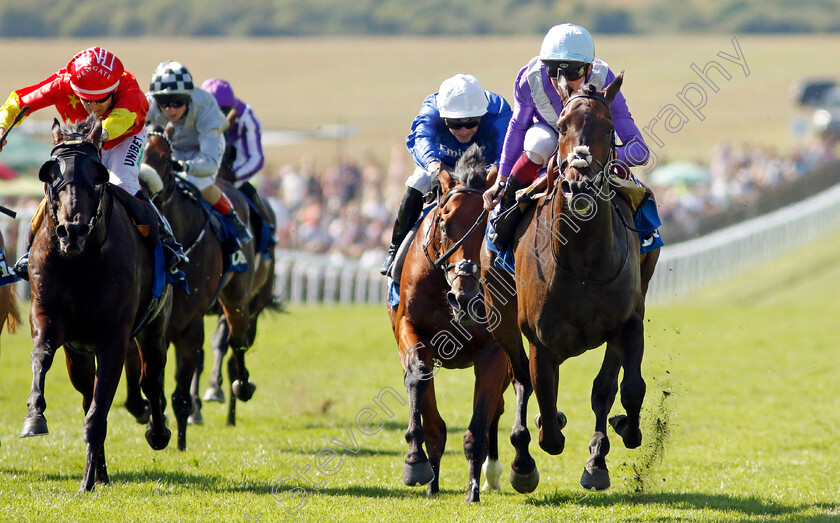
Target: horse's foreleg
x,y
434,431
219,342
500,299
604,388
491,373
631,350
647,264
492,468
417,377
544,372
134,401
186,346
110,358
46,343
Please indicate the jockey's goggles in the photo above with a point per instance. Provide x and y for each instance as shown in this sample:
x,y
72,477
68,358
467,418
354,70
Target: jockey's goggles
x,y
461,123
100,101
171,102
571,70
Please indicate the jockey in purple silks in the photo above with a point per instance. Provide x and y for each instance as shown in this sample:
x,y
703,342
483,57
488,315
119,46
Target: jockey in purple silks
x,y
567,50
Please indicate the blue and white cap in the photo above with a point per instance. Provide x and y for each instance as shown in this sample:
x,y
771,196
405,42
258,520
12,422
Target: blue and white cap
x,y
568,42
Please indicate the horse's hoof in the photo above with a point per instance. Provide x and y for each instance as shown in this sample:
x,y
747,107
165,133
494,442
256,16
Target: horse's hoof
x,y
243,391
525,483
145,417
473,495
214,394
598,479
158,442
561,419
196,418
34,426
620,424
418,474
492,471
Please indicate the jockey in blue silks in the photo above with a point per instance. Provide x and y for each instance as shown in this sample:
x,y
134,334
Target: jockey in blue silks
x,y
460,114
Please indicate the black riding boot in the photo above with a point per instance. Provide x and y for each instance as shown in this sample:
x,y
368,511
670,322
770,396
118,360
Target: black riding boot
x,y
509,214
410,208
173,254
21,267
243,235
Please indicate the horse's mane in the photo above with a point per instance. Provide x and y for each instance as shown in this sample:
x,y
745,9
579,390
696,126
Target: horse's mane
x,y
83,127
469,171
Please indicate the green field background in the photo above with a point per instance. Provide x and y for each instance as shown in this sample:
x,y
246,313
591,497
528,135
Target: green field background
x,y
378,84
740,424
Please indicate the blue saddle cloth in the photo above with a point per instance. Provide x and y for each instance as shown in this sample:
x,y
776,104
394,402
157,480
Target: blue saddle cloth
x,y
646,221
7,275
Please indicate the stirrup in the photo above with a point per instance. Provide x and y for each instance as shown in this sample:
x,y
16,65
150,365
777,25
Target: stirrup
x,y
21,267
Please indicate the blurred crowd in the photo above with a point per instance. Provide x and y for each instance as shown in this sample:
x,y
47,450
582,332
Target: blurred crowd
x,y
738,176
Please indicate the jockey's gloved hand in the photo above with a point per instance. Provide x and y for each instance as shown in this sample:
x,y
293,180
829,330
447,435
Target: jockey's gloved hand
x,y
179,166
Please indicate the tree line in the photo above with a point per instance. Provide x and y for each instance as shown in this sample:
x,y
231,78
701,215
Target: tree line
x,y
266,18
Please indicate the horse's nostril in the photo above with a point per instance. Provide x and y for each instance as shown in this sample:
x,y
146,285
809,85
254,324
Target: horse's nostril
x,y
61,231
452,298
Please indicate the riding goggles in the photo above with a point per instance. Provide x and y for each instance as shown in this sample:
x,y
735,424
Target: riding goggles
x,y
100,101
461,123
171,102
571,70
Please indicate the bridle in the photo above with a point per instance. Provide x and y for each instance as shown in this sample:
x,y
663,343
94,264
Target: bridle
x,y
463,268
59,155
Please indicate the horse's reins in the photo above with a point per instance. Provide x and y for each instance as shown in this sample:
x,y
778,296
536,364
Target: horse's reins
x,y
463,267
171,192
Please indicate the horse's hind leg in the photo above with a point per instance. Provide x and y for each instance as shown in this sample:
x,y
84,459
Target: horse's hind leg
x,y
490,376
219,342
604,388
134,401
434,431
492,468
233,375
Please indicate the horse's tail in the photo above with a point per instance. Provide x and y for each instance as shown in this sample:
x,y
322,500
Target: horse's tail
x,y
12,319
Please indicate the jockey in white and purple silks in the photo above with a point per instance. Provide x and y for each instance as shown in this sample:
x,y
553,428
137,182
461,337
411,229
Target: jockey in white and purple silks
x,y
244,133
531,137
459,115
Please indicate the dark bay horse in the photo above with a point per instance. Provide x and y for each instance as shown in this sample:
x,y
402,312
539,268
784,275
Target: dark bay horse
x,y
204,274
262,298
578,284
440,322
91,275
9,310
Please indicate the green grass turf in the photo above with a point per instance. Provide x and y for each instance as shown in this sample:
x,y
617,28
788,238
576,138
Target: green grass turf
x,y
740,424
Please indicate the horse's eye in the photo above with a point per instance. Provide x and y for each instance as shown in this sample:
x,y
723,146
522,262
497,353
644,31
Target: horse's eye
x,y
443,228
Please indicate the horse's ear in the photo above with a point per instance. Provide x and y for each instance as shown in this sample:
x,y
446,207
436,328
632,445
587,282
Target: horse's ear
x,y
611,90
102,175
447,183
564,89
95,135
56,132
169,132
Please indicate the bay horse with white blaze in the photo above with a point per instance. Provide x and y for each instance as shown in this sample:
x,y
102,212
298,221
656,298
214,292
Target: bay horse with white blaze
x,y
92,275
578,283
440,321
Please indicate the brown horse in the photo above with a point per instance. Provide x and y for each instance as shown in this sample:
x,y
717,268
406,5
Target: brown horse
x,y
578,284
440,321
262,298
206,281
91,276
9,310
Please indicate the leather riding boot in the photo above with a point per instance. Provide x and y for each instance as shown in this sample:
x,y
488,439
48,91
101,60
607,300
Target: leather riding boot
x,y
243,235
21,267
410,208
509,214
174,256
259,202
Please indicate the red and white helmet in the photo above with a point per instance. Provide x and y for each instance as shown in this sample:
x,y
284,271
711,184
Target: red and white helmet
x,y
94,73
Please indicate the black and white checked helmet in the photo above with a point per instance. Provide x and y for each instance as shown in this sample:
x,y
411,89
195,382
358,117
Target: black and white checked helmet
x,y
171,78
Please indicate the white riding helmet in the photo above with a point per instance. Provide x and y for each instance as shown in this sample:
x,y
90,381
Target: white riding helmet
x,y
568,42
461,97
